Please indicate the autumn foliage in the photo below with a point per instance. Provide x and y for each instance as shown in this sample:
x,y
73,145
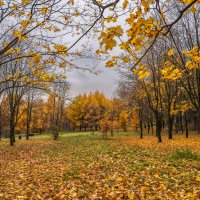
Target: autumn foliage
x,y
96,112
125,147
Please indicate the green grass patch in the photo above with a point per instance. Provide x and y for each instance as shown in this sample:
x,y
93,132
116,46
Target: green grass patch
x,y
185,154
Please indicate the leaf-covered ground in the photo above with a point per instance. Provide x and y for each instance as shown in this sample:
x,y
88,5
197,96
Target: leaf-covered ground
x,y
88,167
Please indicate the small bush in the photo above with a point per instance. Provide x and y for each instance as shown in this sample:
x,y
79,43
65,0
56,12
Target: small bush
x,y
185,154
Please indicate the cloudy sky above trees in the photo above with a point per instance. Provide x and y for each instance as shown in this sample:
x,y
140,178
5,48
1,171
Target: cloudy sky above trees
x,y
85,82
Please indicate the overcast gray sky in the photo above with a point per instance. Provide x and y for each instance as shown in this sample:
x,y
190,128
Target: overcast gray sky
x,y
85,82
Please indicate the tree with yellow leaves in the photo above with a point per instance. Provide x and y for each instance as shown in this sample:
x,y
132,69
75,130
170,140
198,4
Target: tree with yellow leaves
x,y
161,49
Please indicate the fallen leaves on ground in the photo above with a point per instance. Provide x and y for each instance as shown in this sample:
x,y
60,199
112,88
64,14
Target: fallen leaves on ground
x,y
88,167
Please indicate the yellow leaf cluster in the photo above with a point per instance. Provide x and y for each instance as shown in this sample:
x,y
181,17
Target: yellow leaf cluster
x,y
15,6
61,49
37,58
170,52
24,23
107,38
125,4
62,64
142,72
141,29
111,63
2,3
193,58
76,14
44,10
25,1
110,19
125,60
17,33
171,73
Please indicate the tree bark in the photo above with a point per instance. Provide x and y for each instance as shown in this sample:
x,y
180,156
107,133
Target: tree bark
x,y
111,132
148,125
12,128
12,134
27,131
141,129
158,127
186,125
170,126
151,121
198,125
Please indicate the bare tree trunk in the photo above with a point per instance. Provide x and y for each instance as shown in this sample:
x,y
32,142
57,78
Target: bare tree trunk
x,y
141,129
0,124
111,132
176,124
181,123
186,125
12,132
148,125
151,121
27,131
163,125
158,126
170,125
198,125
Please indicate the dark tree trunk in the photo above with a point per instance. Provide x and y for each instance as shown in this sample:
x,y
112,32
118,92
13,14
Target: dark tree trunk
x,y
181,124
0,124
186,125
0,133
111,132
12,135
163,125
55,134
148,125
195,121
27,131
198,125
176,124
158,127
12,128
105,135
141,129
170,126
151,126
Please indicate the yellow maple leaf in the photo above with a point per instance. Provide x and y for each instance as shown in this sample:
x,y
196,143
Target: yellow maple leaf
x,y
61,49
17,33
76,14
125,60
37,58
2,3
111,63
125,4
24,24
15,6
62,64
72,2
17,49
25,1
170,52
44,10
